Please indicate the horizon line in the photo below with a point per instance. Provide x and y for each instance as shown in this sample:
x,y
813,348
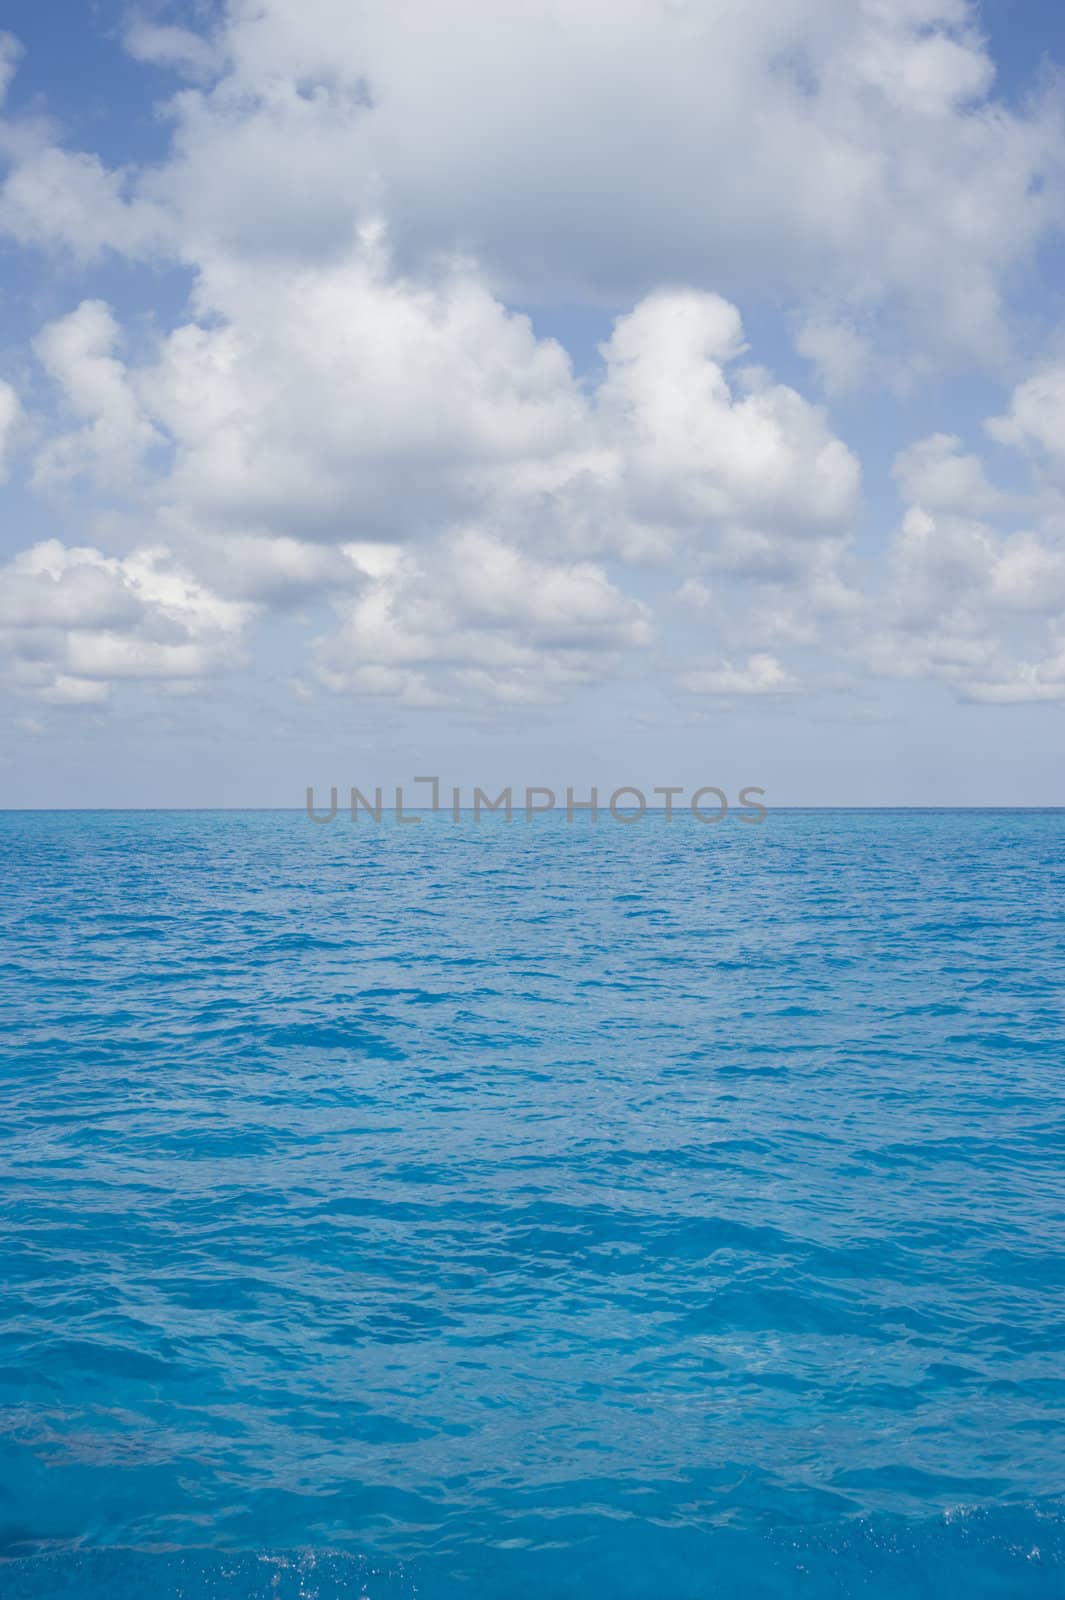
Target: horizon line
x,y
446,811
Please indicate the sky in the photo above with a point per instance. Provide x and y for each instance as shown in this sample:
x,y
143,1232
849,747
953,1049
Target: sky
x,y
579,392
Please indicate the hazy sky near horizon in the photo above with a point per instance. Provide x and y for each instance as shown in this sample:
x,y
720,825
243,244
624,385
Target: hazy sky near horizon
x,y
573,391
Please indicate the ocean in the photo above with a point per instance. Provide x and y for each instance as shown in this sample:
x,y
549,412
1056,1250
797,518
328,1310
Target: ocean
x,y
650,1211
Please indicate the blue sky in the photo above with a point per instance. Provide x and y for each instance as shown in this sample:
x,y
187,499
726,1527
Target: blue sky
x,y
585,393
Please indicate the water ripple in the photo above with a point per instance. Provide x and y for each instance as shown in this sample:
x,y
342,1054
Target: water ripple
x,y
662,1211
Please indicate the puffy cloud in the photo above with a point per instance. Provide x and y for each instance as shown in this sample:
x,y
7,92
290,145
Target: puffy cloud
x,y
961,600
178,48
308,416
10,55
752,474
477,616
78,352
349,407
935,474
10,415
276,571
945,559
1024,682
63,690
877,171
341,401
979,610
345,402
760,675
53,197
73,620
840,354
1036,415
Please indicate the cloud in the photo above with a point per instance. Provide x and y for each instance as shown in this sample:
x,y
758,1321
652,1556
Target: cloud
x,y
752,472
878,172
1023,683
477,618
350,417
54,198
879,175
309,417
64,690
10,417
1036,415
840,354
976,609
935,474
761,675
73,621
346,402
180,49
10,55
278,572
78,353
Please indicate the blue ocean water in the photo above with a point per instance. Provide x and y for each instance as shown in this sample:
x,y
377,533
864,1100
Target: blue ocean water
x,y
648,1212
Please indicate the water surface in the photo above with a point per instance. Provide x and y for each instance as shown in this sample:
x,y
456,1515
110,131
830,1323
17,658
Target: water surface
x,y
651,1211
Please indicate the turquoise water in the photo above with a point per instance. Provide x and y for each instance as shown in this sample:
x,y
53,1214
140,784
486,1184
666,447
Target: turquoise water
x,y
651,1211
